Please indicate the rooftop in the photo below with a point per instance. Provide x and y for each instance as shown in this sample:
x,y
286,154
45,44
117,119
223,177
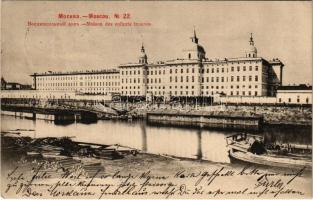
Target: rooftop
x,y
102,71
295,87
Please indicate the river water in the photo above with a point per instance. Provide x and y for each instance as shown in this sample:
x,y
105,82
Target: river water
x,y
175,141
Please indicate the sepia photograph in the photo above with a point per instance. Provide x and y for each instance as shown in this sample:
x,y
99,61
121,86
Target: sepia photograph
x,y
156,99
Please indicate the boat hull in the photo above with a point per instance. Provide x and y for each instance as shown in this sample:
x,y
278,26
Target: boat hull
x,y
271,160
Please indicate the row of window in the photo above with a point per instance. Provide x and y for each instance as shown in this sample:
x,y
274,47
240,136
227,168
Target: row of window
x,y
213,79
213,70
189,87
187,93
244,93
89,77
76,84
298,100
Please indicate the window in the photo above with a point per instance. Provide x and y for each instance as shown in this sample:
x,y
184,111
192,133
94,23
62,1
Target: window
x,y
187,79
256,93
250,78
256,78
250,68
212,79
170,71
238,78
232,69
244,68
217,70
176,79
217,79
181,79
243,78
193,70
231,78
279,100
222,79
212,70
193,79
256,68
238,69
182,71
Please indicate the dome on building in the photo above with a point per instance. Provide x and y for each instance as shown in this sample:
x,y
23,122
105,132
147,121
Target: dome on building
x,y
143,58
251,50
194,50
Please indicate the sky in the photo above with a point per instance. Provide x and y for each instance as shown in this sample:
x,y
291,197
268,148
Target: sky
x,y
281,30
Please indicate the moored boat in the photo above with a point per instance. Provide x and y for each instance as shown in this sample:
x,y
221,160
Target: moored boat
x,y
251,149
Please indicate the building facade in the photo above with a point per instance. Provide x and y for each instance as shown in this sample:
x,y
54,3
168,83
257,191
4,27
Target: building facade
x,y
193,75
88,82
196,76
294,94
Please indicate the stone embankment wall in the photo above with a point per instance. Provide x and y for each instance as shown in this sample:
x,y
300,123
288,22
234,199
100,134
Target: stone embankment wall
x,y
296,115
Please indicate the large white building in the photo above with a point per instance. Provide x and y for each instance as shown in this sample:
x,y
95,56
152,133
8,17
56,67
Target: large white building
x,y
192,76
197,76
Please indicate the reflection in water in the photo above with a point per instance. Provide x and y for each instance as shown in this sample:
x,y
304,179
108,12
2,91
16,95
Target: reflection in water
x,y
181,142
144,136
199,152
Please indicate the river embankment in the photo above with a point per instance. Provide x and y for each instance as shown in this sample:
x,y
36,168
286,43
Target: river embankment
x,y
272,115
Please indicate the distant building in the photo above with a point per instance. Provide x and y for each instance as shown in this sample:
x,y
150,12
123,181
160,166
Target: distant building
x,y
192,76
88,82
294,94
3,83
13,86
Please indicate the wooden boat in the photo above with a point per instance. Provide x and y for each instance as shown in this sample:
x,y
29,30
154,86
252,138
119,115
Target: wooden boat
x,y
240,149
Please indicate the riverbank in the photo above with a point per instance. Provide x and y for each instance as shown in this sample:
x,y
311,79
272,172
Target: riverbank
x,y
141,175
272,115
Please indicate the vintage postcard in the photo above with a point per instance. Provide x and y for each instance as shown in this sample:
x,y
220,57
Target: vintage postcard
x,y
156,100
